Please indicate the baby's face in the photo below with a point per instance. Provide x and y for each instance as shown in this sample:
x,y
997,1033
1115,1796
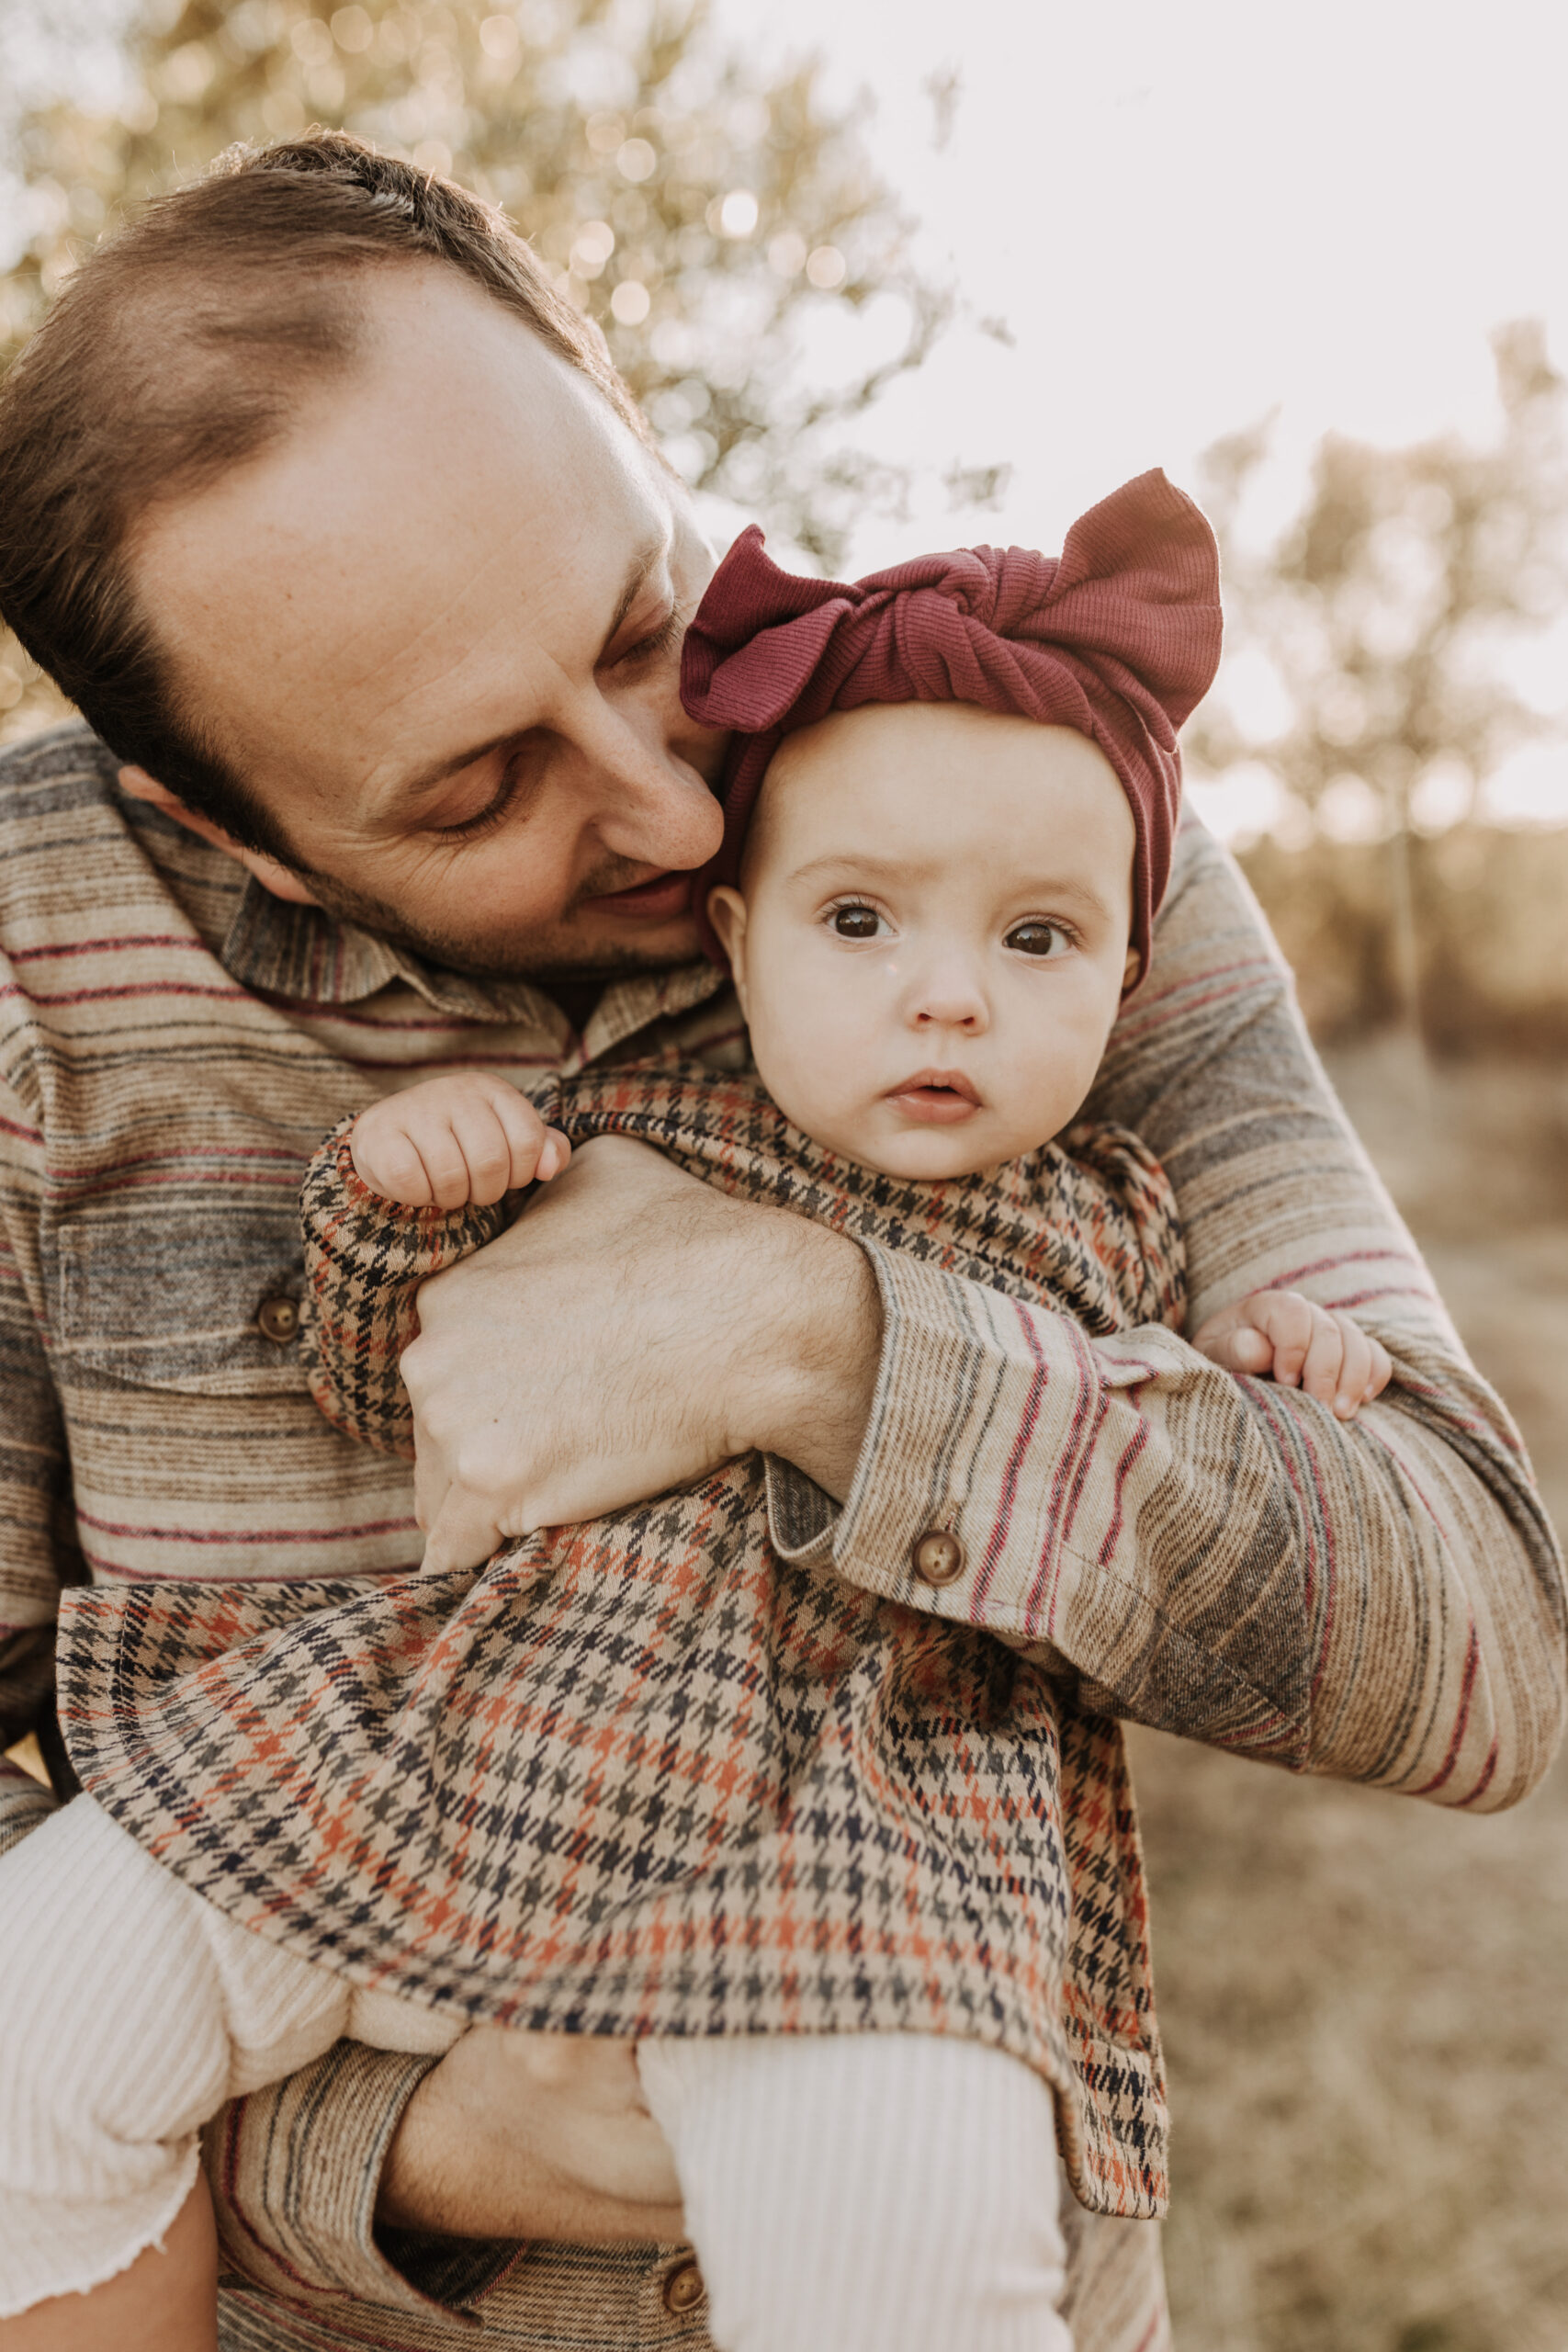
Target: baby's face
x,y
930,941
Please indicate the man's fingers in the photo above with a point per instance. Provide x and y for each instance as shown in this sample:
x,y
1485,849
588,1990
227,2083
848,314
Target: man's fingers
x,y
431,1480
462,1535
511,2136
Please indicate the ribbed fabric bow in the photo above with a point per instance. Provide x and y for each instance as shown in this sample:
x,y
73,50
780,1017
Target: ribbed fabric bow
x,y
1118,637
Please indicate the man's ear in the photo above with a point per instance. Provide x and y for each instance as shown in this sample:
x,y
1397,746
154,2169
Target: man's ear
x,y
727,913
281,880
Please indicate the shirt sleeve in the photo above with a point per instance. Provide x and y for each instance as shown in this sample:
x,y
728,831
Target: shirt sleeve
x,y
294,2170
1216,1556
38,1547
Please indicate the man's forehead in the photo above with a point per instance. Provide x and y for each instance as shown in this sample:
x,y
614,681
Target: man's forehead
x,y
454,414
459,499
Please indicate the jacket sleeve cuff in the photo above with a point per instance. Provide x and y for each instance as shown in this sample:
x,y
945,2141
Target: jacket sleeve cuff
x,y
957,1367
294,2170
985,1428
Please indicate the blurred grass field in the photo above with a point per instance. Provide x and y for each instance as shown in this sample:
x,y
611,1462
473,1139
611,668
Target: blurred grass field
x,y
1365,2000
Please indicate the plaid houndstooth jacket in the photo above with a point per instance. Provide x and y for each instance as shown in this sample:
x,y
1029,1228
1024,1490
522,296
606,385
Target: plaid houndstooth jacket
x,y
651,1775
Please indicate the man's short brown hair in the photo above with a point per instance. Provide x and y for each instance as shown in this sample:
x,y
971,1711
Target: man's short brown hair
x,y
179,349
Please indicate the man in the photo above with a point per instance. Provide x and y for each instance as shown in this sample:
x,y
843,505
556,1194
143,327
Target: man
x,y
341,532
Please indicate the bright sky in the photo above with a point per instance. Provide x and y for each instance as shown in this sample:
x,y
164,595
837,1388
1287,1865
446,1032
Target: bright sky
x,y
1192,213
1189,213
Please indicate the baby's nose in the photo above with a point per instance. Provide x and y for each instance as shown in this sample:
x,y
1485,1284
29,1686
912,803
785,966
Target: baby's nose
x,y
949,996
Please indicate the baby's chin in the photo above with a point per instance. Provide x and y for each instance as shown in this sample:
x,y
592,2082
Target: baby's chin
x,y
926,1155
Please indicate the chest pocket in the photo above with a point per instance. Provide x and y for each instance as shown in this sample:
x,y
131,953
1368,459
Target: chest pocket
x,y
183,1300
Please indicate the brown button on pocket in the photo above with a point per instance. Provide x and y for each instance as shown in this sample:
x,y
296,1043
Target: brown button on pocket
x,y
938,1557
683,2289
278,1319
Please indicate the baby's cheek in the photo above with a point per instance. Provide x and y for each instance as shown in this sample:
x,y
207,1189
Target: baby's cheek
x,y
807,1080
1052,1087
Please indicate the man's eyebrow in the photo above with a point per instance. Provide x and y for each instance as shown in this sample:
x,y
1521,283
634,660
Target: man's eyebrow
x,y
411,789
653,550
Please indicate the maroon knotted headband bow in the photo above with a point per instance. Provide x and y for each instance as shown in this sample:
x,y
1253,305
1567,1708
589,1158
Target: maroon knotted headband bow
x,y
1118,637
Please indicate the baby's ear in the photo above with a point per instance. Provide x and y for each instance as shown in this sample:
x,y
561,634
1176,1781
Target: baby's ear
x,y
727,913
1131,970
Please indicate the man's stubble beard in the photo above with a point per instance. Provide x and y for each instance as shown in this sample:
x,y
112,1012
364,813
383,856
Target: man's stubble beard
x,y
551,959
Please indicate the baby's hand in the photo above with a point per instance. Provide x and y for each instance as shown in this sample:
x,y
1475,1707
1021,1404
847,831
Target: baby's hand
x,y
1280,1333
455,1141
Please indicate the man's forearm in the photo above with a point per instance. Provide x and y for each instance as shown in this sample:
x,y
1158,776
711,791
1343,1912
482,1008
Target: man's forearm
x,y
806,1372
1219,1557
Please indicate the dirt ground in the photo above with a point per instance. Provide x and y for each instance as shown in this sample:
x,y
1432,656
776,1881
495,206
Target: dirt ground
x,y
1365,2001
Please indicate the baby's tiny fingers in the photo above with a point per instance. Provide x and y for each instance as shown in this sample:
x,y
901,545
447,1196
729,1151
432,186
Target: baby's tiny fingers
x,y
1324,1357
443,1147
390,1163
1354,1368
1289,1322
527,1138
486,1146
554,1155
1381,1374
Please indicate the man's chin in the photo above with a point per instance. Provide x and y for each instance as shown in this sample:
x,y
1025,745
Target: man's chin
x,y
617,955
593,952
585,947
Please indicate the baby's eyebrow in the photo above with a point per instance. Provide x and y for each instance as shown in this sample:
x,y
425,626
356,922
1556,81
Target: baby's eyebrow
x,y
858,864
841,861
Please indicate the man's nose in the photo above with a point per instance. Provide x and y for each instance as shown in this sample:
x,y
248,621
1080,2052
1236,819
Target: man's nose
x,y
947,992
651,804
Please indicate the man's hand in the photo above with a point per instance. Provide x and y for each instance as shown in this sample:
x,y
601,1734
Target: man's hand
x,y
635,1330
544,2135
1279,1335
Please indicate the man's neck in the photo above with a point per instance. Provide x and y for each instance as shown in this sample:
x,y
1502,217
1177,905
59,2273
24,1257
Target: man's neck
x,y
576,999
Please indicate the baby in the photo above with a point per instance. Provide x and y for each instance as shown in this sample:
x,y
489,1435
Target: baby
x,y
928,970
802,1843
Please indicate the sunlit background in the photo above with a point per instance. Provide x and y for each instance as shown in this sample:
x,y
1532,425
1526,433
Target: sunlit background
x,y
890,278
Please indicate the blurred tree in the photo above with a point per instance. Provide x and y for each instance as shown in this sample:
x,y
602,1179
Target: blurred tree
x,y
1381,613
1375,623
708,214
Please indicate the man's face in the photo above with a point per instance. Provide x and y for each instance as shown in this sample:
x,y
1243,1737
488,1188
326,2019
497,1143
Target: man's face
x,y
437,631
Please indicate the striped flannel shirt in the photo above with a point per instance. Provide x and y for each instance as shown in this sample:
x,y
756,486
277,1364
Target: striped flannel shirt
x,y
1217,1557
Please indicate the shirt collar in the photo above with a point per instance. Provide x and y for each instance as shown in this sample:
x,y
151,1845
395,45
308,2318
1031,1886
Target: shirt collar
x,y
307,955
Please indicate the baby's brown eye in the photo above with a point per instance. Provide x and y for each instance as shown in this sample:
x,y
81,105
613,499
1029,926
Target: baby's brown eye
x,y
1036,939
856,922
